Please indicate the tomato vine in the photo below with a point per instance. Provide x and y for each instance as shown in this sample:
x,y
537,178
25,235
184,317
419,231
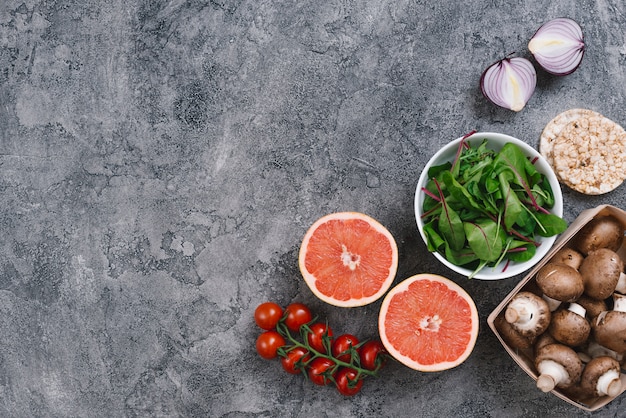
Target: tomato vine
x,y
322,359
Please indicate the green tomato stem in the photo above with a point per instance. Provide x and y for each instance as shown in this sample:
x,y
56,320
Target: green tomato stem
x,y
283,330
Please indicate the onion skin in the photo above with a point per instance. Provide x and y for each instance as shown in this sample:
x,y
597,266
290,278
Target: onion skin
x,y
509,83
558,46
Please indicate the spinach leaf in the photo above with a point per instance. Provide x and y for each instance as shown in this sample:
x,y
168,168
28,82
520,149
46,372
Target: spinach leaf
x,y
434,241
460,258
521,256
451,227
513,208
512,161
460,193
552,224
486,238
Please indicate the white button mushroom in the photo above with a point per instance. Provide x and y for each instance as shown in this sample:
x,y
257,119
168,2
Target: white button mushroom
x,y
558,366
601,376
528,314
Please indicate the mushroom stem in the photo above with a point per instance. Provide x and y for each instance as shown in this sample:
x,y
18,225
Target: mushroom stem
x,y
528,314
609,383
553,304
577,309
619,302
551,374
521,311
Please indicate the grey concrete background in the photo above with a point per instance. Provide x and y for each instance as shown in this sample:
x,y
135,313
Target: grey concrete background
x,y
161,160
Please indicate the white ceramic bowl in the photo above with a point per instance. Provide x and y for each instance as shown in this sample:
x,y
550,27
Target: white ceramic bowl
x,y
495,141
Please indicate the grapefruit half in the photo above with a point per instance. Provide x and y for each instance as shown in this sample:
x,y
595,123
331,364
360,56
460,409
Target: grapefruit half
x,y
428,323
348,259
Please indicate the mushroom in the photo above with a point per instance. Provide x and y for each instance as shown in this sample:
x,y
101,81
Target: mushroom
x,y
558,366
593,307
528,314
569,326
511,336
600,232
559,282
601,270
601,376
609,328
621,283
568,256
543,340
593,350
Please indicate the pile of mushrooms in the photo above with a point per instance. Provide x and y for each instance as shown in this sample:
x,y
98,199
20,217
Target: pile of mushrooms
x,y
572,317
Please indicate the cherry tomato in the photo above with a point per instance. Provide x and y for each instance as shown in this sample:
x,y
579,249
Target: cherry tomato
x,y
373,355
319,332
268,343
341,347
297,314
318,370
346,381
295,360
267,315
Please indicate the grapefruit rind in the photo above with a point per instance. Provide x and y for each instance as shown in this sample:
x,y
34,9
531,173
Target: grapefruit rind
x,y
385,280
403,288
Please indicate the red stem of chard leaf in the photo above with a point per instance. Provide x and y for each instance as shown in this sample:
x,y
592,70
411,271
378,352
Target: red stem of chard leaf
x,y
517,234
428,213
430,194
470,133
459,151
516,250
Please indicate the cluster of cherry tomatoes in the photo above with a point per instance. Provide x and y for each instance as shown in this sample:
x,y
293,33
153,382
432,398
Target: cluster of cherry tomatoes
x,y
314,350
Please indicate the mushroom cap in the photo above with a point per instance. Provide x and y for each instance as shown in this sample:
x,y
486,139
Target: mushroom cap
x,y
564,356
600,271
600,232
528,314
511,336
596,368
609,330
568,256
543,340
592,306
560,281
569,328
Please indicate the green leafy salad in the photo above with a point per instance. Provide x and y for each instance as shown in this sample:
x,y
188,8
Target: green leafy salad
x,y
486,206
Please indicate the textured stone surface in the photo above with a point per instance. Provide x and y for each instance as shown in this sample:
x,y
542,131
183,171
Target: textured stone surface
x,y
160,162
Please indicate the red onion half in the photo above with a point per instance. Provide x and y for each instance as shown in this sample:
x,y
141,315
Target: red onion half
x,y
558,46
509,83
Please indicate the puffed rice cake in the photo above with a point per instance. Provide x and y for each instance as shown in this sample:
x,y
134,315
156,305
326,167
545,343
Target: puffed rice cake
x,y
589,154
555,126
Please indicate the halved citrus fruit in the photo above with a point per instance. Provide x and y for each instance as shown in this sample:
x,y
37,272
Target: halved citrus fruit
x,y
428,323
348,259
